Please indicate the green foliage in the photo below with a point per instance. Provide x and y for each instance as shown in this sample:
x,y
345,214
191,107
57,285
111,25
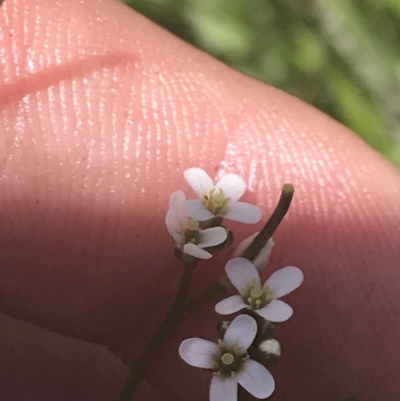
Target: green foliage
x,y
342,56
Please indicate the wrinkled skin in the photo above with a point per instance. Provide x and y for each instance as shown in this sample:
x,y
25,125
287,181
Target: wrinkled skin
x,y
100,113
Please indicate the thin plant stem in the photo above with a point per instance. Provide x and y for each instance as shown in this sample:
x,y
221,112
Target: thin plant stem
x,y
164,331
181,308
252,251
205,297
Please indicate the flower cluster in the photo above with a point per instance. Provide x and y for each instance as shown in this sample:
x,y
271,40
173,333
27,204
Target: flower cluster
x,y
246,345
195,224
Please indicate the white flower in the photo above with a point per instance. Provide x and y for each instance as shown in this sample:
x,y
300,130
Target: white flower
x,y
185,231
230,362
262,258
262,299
220,199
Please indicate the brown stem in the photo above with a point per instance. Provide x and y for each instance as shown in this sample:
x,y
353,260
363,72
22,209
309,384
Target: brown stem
x,y
166,328
252,251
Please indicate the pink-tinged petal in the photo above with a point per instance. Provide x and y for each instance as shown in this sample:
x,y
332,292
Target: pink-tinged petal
x,y
177,204
241,332
233,186
199,181
276,311
172,226
243,245
211,237
242,274
256,379
263,257
198,352
244,213
223,389
230,305
285,280
196,251
196,210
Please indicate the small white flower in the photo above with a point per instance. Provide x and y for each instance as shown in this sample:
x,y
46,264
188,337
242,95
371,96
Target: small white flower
x,y
262,258
185,231
220,199
262,299
230,362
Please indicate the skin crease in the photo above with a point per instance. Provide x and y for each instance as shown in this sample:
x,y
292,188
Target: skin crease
x,y
101,111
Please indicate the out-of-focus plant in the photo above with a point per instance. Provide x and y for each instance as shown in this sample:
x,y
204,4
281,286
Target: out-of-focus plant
x,y
341,56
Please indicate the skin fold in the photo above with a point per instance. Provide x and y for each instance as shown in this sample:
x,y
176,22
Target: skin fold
x,y
101,111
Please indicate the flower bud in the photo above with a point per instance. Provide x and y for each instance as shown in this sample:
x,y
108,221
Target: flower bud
x,y
262,258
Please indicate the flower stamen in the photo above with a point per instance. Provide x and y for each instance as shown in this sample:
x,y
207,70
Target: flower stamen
x,y
216,203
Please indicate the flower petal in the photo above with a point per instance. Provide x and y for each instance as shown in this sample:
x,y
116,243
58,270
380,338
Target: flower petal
x,y
285,280
196,210
211,237
199,180
241,332
244,213
223,389
230,305
263,257
194,250
177,204
233,186
173,228
198,352
242,273
276,311
256,379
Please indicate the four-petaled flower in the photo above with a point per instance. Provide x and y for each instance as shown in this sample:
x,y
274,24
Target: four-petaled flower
x,y
220,199
185,231
261,299
230,362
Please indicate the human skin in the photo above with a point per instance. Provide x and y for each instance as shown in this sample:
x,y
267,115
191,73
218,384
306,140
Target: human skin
x,y
101,111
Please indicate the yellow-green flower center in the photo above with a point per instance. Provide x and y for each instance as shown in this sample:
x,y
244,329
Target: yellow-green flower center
x,y
229,360
257,297
216,202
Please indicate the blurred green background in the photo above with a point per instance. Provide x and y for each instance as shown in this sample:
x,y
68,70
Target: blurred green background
x,y
342,56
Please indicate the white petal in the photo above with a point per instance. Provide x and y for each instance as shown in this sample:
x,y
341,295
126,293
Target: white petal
x,y
173,226
263,257
241,332
244,213
276,311
198,352
177,204
285,280
223,389
233,186
243,245
230,305
194,250
242,273
196,210
212,236
256,379
199,181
